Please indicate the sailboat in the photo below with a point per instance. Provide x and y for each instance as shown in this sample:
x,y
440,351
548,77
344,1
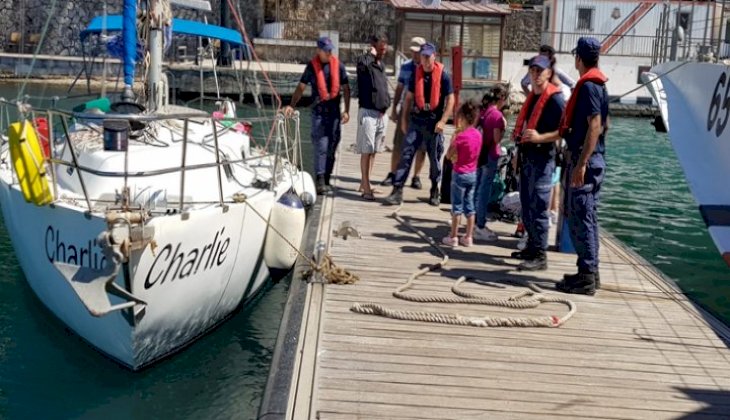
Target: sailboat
x,y
142,227
694,101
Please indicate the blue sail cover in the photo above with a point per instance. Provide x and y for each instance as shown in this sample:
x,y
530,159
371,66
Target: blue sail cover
x,y
179,26
129,35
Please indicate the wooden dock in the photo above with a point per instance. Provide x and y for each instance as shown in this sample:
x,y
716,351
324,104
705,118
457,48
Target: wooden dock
x,y
638,349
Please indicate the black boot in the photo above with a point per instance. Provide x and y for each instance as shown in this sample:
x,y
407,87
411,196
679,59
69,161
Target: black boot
x,y
573,277
395,198
525,254
434,199
321,187
538,262
416,183
388,179
581,284
327,179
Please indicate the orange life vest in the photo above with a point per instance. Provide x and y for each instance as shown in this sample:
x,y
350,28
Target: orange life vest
x,y
334,78
438,69
593,75
547,93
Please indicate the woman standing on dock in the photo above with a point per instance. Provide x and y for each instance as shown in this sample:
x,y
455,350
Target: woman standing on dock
x,y
536,131
326,118
492,123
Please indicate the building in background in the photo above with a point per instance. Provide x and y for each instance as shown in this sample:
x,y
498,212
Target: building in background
x,y
477,28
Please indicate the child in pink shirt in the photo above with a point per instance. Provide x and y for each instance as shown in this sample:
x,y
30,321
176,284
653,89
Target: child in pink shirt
x,y
464,152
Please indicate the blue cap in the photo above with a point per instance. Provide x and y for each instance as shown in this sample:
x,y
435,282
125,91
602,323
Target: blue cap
x,y
540,61
428,49
325,44
588,48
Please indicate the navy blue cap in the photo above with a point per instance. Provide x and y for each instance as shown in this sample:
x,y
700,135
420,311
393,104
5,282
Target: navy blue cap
x,y
540,61
428,49
325,44
588,48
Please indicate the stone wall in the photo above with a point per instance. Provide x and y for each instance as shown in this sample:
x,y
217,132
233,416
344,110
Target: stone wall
x,y
523,30
355,20
71,16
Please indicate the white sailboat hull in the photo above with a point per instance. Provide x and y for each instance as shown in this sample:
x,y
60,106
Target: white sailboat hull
x,y
694,99
193,280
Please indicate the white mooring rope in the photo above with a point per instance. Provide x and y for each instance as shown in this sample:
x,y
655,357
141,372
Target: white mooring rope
x,y
524,300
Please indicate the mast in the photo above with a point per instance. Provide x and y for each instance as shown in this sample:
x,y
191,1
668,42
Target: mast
x,y
158,19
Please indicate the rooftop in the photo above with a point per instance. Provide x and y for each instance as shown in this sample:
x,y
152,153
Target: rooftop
x,y
453,7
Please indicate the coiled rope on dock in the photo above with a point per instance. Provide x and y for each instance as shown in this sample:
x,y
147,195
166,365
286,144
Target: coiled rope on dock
x,y
326,268
528,299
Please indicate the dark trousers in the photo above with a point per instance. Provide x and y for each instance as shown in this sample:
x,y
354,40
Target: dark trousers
x,y
581,206
420,131
325,138
535,185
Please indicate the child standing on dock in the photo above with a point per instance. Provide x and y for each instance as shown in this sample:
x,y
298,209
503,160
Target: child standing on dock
x,y
464,153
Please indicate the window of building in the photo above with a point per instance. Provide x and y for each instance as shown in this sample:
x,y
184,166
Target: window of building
x,y
684,19
546,21
585,19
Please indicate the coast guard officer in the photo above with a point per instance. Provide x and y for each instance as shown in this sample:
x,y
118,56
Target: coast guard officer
x,y
584,127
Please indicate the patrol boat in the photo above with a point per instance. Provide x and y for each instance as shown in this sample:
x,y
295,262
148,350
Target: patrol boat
x,y
694,100
143,227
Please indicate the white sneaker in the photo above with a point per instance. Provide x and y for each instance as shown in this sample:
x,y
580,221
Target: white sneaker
x,y
450,241
484,234
522,243
553,217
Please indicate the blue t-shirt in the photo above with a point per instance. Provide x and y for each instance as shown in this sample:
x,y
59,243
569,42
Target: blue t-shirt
x,y
309,78
446,89
592,100
404,76
549,121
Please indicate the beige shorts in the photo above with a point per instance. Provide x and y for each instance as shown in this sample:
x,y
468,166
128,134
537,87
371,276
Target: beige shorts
x,y
371,126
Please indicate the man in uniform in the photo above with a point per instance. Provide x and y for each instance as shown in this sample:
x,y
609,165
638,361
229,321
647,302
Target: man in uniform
x,y
584,128
327,76
429,103
404,76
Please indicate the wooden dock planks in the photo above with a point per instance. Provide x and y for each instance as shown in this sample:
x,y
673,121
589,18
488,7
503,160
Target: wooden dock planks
x,y
638,349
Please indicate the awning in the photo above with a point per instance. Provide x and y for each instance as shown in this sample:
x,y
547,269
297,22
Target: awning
x,y
179,26
452,7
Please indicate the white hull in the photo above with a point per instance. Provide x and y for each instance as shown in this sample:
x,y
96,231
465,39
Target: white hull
x,y
694,100
182,302
200,266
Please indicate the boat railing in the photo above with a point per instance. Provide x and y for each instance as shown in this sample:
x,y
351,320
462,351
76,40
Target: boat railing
x,y
284,143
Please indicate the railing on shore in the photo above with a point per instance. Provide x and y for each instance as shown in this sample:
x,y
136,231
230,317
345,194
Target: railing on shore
x,y
624,45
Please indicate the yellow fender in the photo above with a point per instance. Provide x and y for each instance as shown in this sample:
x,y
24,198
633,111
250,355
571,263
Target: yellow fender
x,y
29,164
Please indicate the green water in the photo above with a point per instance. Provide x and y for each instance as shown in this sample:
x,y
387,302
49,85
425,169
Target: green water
x,y
47,372
647,204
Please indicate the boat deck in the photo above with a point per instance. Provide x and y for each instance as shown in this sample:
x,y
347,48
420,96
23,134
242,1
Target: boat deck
x,y
638,349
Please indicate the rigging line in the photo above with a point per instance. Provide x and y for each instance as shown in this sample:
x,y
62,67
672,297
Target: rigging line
x,y
51,14
648,82
249,44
